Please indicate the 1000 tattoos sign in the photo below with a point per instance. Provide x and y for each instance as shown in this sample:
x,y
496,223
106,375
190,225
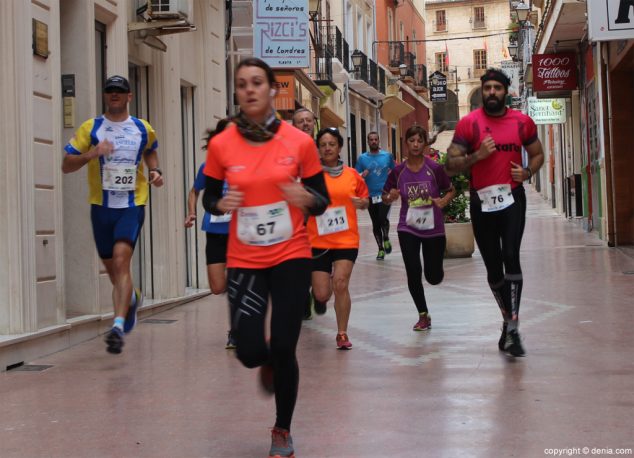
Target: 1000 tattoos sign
x,y
554,72
280,32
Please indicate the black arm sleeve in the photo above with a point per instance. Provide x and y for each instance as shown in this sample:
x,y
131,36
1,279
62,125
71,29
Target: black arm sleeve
x,y
213,193
316,185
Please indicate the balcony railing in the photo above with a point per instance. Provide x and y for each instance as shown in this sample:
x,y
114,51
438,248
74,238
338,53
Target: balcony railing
x,y
397,50
409,59
381,80
322,66
331,41
374,74
361,72
421,75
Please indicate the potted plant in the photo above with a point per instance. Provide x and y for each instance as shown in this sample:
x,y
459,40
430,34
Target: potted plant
x,y
458,230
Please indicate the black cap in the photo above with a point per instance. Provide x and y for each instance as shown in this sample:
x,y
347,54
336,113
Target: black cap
x,y
496,75
117,82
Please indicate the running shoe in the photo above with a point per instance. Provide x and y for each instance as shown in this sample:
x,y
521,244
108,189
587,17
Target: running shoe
x,y
281,444
513,345
380,256
388,247
266,379
502,341
231,341
423,323
343,343
320,307
130,318
114,341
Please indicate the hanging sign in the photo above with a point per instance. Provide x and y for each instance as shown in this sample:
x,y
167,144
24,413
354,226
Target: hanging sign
x,y
280,33
438,87
513,70
610,20
547,111
554,72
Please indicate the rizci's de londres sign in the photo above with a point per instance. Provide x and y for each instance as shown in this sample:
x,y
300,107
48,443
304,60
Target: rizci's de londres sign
x,y
280,32
554,72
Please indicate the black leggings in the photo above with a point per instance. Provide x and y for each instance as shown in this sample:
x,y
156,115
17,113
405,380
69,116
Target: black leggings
x,y
380,222
499,238
433,254
249,290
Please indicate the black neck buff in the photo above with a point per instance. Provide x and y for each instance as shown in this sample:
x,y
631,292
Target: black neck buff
x,y
254,131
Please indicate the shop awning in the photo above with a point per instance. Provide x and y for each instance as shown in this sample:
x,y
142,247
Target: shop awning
x,y
394,108
329,118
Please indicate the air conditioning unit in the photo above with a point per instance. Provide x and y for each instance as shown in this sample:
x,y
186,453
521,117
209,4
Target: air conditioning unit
x,y
169,9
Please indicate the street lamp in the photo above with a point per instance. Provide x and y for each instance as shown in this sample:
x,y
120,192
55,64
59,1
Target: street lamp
x,y
522,10
313,7
357,59
513,50
402,70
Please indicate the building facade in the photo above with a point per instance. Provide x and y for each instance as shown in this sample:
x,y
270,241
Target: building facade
x,y
589,168
56,56
465,37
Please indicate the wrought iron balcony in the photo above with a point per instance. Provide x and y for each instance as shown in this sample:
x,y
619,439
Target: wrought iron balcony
x,y
397,52
421,75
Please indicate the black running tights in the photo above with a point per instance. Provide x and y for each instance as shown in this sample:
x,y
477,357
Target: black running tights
x,y
380,223
499,238
433,249
286,284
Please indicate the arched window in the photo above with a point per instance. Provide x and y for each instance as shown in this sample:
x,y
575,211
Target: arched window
x,y
475,101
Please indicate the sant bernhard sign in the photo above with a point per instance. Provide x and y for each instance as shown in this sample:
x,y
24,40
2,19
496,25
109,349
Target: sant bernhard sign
x,y
610,20
280,32
438,87
547,111
554,72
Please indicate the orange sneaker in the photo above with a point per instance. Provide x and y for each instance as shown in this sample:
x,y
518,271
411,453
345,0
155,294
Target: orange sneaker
x,y
281,444
423,323
343,343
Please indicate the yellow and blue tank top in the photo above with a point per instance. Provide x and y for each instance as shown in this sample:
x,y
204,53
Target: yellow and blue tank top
x,y
131,139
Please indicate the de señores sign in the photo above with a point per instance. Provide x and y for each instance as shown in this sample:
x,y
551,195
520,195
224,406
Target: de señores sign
x,y
554,72
547,111
280,32
610,20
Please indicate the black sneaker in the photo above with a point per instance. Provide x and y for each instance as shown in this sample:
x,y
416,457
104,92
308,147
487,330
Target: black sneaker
x,y
114,341
513,345
380,256
231,342
320,307
502,341
388,247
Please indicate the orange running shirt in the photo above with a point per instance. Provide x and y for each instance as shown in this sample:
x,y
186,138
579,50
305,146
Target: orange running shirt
x,y
341,189
258,171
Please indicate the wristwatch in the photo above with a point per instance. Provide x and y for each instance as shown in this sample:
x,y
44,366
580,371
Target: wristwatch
x,y
157,170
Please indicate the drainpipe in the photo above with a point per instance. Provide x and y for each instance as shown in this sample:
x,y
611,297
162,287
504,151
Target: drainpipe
x,y
612,232
346,87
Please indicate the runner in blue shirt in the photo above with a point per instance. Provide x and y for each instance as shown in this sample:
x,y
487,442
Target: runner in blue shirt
x,y
374,166
217,231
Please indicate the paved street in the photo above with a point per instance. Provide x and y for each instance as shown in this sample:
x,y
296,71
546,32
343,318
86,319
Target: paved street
x,y
176,392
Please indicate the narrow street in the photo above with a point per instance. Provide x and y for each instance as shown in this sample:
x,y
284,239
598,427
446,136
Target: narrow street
x,y
176,392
